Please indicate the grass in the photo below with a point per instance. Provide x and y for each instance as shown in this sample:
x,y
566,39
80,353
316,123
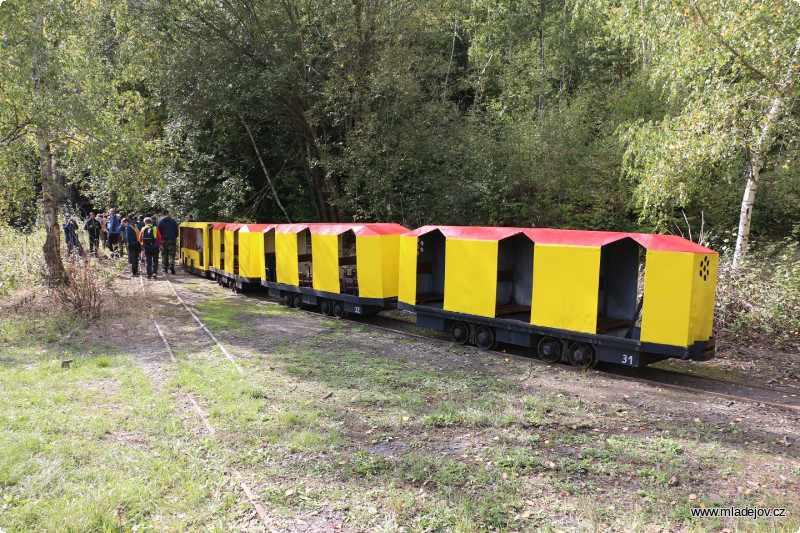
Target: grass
x,y
334,422
94,447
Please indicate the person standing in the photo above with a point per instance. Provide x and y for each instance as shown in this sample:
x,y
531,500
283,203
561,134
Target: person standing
x,y
131,237
150,239
113,226
168,229
71,236
93,227
189,218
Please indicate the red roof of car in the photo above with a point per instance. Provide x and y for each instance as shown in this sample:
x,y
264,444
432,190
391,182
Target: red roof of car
x,y
669,243
360,230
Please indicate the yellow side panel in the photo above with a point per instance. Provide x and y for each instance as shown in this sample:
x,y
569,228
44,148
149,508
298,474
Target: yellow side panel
x,y
244,254
390,262
704,291
667,297
407,277
470,277
217,247
256,264
325,250
369,267
286,258
229,251
206,251
566,282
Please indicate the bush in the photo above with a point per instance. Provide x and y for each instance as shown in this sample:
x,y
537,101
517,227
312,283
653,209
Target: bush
x,y
20,258
83,292
760,300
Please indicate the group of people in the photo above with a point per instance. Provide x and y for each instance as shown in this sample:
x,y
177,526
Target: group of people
x,y
144,239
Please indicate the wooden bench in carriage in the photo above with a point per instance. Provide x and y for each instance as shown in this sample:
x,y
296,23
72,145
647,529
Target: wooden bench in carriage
x,y
342,268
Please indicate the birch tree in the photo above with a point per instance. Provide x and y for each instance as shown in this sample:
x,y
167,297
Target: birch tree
x,y
729,69
60,101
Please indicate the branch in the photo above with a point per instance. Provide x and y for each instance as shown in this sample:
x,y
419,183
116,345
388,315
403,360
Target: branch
x,y
264,168
735,52
16,133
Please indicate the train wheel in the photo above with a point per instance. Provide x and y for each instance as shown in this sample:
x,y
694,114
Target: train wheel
x,y
459,332
297,302
325,307
338,309
287,299
484,338
549,350
581,355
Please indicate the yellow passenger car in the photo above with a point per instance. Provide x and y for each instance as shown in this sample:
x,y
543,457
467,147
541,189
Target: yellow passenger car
x,y
195,253
343,268
572,294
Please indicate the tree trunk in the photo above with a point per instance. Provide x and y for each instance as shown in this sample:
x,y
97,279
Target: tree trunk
x,y
54,267
762,145
540,104
264,168
52,244
755,165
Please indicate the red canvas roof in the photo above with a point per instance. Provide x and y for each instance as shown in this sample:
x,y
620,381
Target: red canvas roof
x,y
360,230
256,228
232,227
219,225
669,243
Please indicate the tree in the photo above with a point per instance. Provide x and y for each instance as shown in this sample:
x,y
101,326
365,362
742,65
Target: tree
x,y
60,100
728,69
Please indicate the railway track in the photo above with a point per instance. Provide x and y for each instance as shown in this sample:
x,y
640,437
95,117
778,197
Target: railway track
x,y
254,501
652,376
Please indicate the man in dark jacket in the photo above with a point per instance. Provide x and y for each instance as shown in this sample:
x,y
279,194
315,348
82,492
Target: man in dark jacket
x,y
168,229
71,236
93,227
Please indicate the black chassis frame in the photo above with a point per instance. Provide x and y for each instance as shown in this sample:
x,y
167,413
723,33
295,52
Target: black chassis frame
x,y
618,350
194,270
240,282
352,304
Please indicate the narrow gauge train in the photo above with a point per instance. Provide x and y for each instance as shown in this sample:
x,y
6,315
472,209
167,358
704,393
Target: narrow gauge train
x,y
576,296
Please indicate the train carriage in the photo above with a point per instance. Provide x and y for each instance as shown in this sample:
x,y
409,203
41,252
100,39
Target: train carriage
x,y
342,268
574,295
225,260
195,252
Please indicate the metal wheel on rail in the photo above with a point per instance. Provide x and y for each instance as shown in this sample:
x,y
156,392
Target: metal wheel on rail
x,y
581,355
287,299
484,337
549,349
297,301
325,307
338,309
459,332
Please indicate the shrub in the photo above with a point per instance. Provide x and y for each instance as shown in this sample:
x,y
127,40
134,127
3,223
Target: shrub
x,y
83,292
760,300
20,258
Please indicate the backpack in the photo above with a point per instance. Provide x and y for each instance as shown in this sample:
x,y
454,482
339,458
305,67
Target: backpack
x,y
148,236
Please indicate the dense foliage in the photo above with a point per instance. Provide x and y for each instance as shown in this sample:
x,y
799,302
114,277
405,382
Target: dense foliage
x,y
578,113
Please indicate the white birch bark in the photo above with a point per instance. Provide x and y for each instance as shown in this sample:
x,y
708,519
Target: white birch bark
x,y
765,139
